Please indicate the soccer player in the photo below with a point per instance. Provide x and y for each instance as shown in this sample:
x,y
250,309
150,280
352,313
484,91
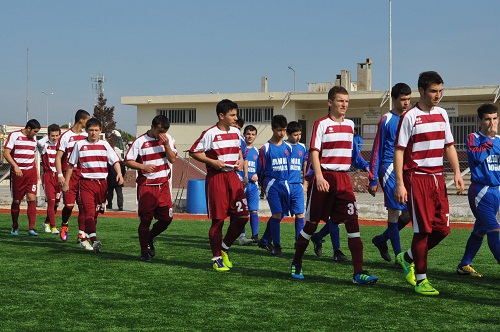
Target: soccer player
x,y
114,186
64,147
298,162
273,171
53,190
150,154
483,151
219,148
332,152
423,135
92,156
382,169
19,151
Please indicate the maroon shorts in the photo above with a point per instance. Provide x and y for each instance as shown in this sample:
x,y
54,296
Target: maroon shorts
x,y
225,195
51,187
71,195
26,184
91,195
155,201
339,203
427,202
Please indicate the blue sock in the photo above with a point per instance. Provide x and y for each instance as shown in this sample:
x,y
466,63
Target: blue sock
x,y
393,233
494,244
471,248
254,223
266,237
299,224
274,225
324,231
334,235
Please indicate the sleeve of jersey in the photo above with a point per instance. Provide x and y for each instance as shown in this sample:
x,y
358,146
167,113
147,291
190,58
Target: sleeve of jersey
x,y
133,151
316,137
448,138
75,155
9,144
403,132
478,148
201,144
376,154
261,164
358,161
112,156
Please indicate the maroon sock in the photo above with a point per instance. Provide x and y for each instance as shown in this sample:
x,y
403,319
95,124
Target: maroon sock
x,y
31,214
302,242
234,230
14,212
419,249
143,231
66,213
158,227
355,245
434,239
82,220
51,213
215,236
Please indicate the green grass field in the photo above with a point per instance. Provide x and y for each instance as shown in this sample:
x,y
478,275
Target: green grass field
x,y
47,285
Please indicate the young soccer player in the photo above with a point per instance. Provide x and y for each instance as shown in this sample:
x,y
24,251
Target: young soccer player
x,y
219,148
92,156
53,190
64,147
423,135
274,171
332,152
483,151
382,169
150,154
298,162
19,151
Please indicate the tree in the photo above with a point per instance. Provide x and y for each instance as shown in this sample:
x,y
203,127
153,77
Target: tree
x,y
106,115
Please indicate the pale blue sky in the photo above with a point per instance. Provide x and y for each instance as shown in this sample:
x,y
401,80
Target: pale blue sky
x,y
189,47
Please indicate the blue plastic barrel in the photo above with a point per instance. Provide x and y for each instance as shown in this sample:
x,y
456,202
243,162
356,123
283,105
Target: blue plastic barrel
x,y
196,202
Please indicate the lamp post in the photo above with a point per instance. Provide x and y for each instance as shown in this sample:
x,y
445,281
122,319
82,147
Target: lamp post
x,y
47,104
290,67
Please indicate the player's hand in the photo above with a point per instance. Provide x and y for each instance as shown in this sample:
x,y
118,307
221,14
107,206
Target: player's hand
x,y
149,168
459,184
254,178
245,181
400,195
119,179
18,171
217,164
492,130
60,180
238,165
65,187
322,185
372,190
163,138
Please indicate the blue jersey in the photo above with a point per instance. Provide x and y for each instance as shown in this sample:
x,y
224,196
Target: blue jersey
x,y
383,145
243,146
252,156
274,161
484,159
297,160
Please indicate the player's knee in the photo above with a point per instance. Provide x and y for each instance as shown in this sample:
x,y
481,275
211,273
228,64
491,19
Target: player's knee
x,y
352,226
276,216
300,215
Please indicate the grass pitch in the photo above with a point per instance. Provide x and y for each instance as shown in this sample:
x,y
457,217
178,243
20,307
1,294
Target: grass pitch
x,y
48,285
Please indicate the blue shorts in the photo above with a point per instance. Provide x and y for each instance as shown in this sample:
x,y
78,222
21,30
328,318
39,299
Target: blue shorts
x,y
278,196
252,192
387,180
484,202
296,198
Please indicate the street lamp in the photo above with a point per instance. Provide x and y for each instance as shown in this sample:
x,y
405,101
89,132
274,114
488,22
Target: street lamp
x,y
47,103
290,67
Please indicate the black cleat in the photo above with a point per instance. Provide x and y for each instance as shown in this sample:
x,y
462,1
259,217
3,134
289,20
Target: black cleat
x,y
382,247
268,247
277,250
145,257
318,244
338,256
151,249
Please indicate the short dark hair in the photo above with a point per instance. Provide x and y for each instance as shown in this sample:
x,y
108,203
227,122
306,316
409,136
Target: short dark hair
x,y
427,78
240,122
249,128
278,121
224,106
53,127
486,109
81,114
33,124
162,120
293,127
400,89
337,90
93,122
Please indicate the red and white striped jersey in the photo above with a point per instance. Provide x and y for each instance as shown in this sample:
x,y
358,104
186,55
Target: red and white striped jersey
x,y
423,136
93,158
49,156
66,143
219,145
150,151
333,141
22,149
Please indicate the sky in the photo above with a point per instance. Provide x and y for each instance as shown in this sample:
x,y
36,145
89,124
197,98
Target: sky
x,y
162,47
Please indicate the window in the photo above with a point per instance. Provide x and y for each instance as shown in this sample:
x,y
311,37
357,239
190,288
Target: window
x,y
256,114
357,124
461,126
179,115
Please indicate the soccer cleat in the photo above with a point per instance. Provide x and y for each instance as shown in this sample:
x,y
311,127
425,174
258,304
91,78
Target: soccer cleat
x,y
64,233
97,246
296,271
268,246
244,241
382,248
151,249
225,259
468,270
145,257
46,228
318,244
32,232
219,265
408,269
364,278
277,251
86,245
81,237
425,288
255,239
14,231
54,230
338,256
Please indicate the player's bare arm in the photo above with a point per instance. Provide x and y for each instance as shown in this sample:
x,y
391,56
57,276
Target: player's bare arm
x,y
400,193
451,155
168,150
200,156
58,159
141,167
65,186
321,184
11,161
119,176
